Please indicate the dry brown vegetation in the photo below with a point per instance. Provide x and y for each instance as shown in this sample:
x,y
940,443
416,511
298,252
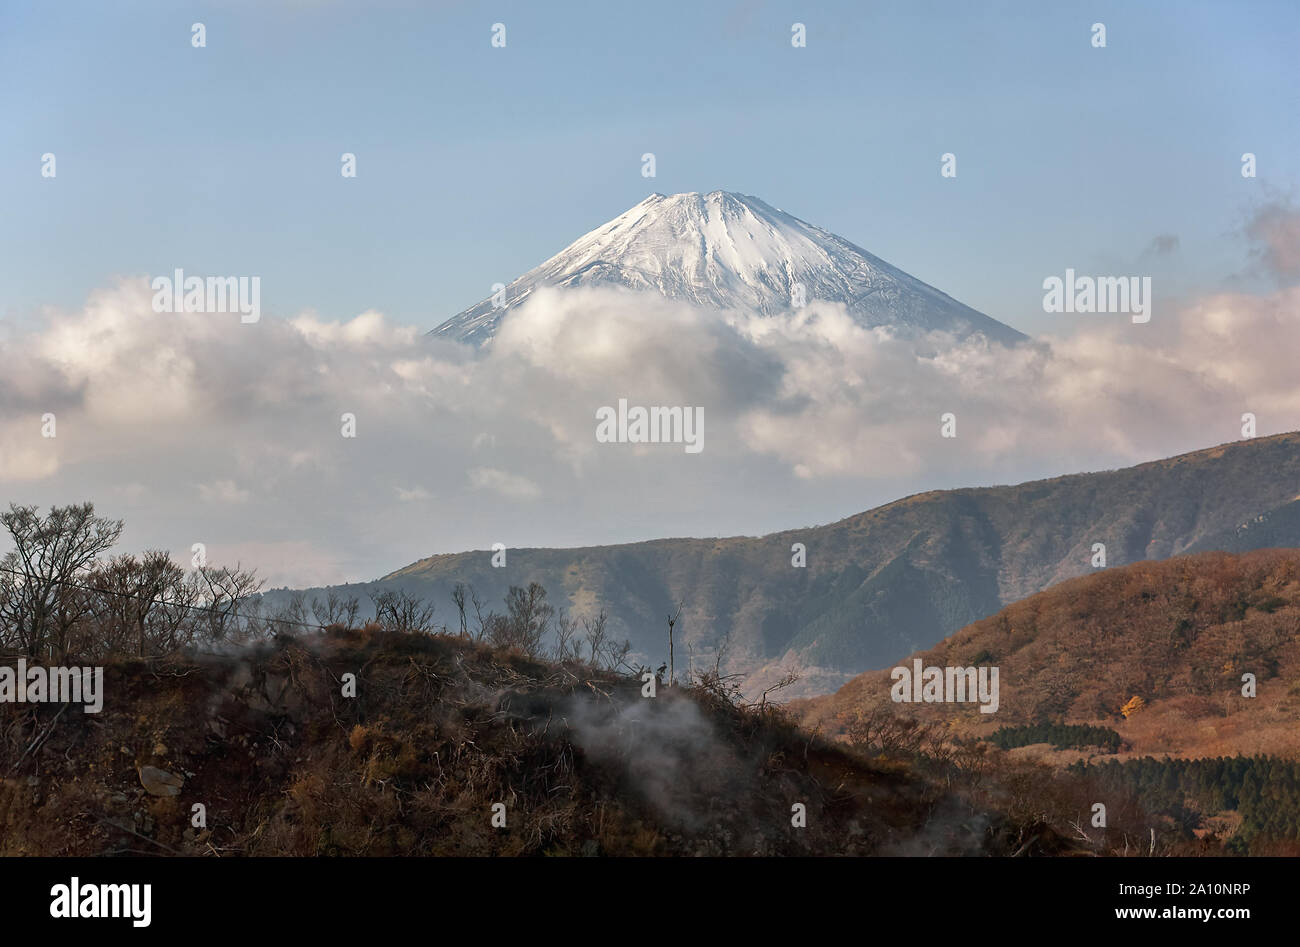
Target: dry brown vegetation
x,y
441,728
1154,652
1169,641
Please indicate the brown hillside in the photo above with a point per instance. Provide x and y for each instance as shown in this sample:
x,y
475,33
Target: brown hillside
x,y
1177,634
441,729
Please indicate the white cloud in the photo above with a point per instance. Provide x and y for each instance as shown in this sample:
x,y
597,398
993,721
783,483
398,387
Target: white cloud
x,y
24,457
508,485
809,417
223,491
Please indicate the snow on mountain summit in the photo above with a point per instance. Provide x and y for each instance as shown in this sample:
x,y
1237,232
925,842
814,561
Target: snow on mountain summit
x,y
731,251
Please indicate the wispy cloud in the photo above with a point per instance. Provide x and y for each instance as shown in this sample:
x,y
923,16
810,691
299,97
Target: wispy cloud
x,y
1274,228
506,484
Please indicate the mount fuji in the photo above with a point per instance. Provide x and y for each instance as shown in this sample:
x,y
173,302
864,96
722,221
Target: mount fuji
x,y
732,251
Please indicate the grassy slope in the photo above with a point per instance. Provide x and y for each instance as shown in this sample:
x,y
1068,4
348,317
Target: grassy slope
x,y
439,730
1179,633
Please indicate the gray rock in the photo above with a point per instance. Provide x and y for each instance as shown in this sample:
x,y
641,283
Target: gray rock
x,y
159,782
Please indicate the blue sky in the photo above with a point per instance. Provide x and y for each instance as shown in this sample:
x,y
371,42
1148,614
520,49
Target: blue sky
x,y
477,163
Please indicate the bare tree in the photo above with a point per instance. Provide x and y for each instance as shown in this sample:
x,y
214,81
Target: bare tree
x,y
398,610
603,651
786,680
526,622
616,652
225,596
485,622
291,616
458,596
597,632
336,609
39,604
565,629
173,618
130,592
672,620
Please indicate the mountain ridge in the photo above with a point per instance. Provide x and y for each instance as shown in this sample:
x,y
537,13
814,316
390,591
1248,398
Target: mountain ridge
x,y
889,581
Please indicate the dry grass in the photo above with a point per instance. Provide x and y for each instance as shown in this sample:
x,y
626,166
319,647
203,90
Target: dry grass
x,y
440,730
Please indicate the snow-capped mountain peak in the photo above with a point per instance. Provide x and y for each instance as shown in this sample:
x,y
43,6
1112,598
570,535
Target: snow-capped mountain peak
x,y
731,251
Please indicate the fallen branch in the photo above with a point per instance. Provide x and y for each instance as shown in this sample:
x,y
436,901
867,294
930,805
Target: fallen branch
x,y
40,739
